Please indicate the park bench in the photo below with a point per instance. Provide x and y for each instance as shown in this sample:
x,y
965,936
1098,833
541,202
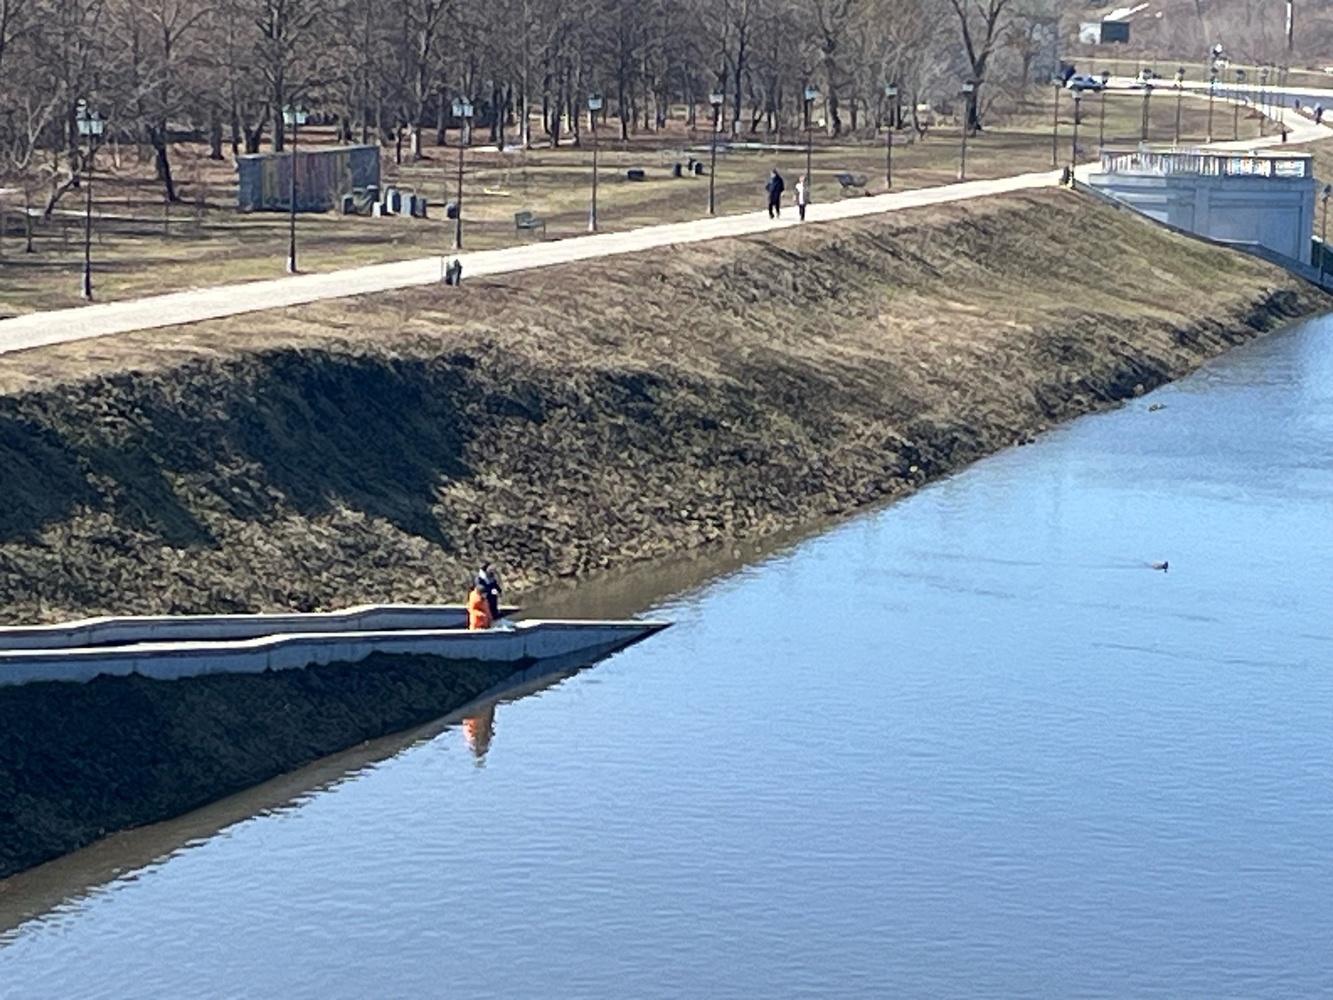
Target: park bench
x,y
526,220
851,182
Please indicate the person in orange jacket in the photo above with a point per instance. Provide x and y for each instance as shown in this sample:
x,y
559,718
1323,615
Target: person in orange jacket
x,y
478,610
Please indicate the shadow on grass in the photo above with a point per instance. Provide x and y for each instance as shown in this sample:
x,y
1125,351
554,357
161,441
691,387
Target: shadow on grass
x,y
290,429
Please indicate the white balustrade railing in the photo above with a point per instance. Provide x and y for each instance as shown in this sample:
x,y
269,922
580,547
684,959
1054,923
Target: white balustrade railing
x,y
1200,163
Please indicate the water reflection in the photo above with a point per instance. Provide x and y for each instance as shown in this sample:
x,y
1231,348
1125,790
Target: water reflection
x,y
60,885
1019,763
479,730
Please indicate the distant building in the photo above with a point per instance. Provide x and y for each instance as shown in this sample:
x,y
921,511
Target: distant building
x,y
1103,33
323,176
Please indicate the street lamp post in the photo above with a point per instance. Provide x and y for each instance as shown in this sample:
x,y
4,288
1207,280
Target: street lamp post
x,y
1147,95
811,95
295,116
1180,93
463,112
1235,107
969,88
594,106
1073,146
1055,123
715,99
1212,92
91,124
1101,105
890,95
1263,99
1280,99
1323,226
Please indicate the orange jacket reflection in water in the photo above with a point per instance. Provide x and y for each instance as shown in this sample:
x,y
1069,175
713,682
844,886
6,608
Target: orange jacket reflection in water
x,y
478,730
478,611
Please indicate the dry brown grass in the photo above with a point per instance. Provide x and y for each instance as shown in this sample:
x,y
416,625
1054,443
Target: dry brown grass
x,y
576,418
141,247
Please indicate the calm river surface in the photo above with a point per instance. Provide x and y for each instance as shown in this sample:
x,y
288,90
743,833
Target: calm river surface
x,y
969,746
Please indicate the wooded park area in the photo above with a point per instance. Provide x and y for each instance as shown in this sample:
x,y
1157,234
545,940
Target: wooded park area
x,y
219,73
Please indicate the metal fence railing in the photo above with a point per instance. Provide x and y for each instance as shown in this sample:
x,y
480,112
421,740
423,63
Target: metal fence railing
x,y
1207,164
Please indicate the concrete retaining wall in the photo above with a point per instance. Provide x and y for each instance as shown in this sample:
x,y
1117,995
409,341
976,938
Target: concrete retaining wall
x,y
527,641
1275,212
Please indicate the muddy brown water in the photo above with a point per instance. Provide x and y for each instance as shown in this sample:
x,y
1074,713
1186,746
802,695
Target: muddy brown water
x,y
968,745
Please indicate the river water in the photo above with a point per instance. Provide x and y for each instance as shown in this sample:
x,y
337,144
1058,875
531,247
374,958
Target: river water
x,y
970,745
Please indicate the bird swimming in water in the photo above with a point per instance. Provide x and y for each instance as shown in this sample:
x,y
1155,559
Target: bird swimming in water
x,y
1156,406
1163,565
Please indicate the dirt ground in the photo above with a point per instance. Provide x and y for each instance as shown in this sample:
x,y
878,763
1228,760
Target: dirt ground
x,y
569,420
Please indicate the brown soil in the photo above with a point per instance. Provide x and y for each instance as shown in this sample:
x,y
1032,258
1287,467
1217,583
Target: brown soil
x,y
81,760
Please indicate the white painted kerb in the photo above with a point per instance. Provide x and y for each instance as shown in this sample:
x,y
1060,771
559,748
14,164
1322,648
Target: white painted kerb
x,y
125,630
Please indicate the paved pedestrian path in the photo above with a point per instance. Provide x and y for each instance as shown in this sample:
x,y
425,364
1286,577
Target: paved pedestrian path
x,y
63,325
195,305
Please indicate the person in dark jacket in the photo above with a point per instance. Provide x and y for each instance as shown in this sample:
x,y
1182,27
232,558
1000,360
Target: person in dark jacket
x,y
775,187
489,585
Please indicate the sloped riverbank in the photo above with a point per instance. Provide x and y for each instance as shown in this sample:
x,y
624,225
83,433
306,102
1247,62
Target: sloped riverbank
x,y
558,423
580,417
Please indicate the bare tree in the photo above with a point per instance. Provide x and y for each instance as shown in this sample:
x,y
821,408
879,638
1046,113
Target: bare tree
x,y
287,54
156,37
981,24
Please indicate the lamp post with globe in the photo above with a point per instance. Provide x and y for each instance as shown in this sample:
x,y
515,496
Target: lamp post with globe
x,y
811,95
716,98
295,116
891,95
91,124
462,109
594,106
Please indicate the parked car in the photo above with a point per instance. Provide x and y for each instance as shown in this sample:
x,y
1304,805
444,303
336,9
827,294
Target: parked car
x,y
1081,81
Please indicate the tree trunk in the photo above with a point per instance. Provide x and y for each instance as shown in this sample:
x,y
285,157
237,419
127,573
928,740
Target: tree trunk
x,y
157,137
27,221
831,108
214,135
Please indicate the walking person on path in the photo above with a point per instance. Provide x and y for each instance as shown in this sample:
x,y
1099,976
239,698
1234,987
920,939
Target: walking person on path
x,y
775,187
802,196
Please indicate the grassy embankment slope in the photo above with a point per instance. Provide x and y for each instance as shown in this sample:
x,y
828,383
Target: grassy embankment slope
x,y
556,422
570,419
